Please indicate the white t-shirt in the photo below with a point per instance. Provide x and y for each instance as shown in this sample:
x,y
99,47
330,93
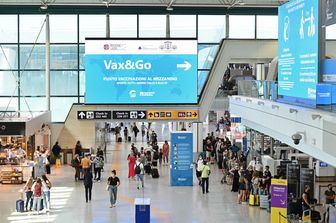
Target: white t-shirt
x,y
137,163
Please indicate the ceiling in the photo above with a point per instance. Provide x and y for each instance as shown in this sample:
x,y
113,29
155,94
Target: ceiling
x,y
162,3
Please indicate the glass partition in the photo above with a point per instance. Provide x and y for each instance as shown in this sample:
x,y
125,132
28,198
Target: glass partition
x,y
242,26
211,28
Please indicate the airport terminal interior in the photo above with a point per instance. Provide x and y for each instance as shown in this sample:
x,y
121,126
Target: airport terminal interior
x,y
168,111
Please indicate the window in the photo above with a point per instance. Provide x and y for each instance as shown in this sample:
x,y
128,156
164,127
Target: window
x,y
202,77
152,26
242,26
91,26
63,57
11,102
267,27
331,32
60,107
32,58
81,56
63,28
64,83
30,26
81,83
211,28
123,26
32,83
33,104
183,26
8,57
8,29
8,83
206,55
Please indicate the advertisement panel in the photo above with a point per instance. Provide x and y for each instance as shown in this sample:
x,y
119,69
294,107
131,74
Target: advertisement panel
x,y
181,159
140,71
298,50
279,201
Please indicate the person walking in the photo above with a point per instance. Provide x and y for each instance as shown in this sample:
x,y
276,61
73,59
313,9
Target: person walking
x,y
29,194
135,131
140,172
113,183
165,153
205,173
37,193
85,163
76,163
125,133
98,165
78,148
46,185
131,162
88,185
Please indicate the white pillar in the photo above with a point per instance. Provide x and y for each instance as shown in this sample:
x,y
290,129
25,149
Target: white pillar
x,y
47,66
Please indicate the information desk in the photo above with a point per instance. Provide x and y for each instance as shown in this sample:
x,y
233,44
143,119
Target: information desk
x,y
142,210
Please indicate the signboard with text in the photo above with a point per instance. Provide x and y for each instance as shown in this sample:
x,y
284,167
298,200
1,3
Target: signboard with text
x,y
93,115
279,200
172,115
181,159
298,49
134,71
129,114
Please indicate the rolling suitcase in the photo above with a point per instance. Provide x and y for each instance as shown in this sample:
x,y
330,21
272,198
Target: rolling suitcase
x,y
119,139
155,173
129,138
20,205
148,169
48,169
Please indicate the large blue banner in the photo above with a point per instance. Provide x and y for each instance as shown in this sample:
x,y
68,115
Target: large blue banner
x,y
141,72
298,50
181,159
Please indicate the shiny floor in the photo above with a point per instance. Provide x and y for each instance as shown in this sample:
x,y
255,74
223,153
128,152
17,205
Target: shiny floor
x,y
168,204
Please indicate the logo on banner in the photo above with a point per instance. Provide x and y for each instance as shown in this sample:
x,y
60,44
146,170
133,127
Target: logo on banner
x,y
132,94
168,46
106,47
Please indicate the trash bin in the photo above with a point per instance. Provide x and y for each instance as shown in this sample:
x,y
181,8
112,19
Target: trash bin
x,y
142,210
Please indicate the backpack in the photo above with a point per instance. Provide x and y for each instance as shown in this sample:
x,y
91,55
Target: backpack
x,y
137,169
37,190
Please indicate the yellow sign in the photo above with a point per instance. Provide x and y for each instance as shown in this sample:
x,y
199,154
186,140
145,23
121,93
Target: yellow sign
x,y
172,115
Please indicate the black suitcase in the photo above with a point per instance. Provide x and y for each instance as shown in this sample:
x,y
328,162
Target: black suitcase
x,y
119,139
148,169
20,205
129,138
48,169
155,173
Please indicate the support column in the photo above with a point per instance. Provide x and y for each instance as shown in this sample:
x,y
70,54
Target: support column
x,y
168,26
272,147
262,144
227,26
107,25
47,62
197,129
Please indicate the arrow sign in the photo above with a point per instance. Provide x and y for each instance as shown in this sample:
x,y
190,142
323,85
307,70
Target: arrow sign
x,y
81,115
195,114
142,114
150,114
186,65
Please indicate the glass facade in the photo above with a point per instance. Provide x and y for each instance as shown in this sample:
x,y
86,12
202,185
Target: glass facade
x,y
22,53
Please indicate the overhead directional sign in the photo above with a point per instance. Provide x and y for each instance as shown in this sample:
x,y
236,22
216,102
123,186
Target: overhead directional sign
x,y
130,115
141,71
93,115
172,115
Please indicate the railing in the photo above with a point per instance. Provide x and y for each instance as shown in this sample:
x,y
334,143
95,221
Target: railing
x,y
268,90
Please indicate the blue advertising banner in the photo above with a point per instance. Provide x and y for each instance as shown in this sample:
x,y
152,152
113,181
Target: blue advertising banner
x,y
323,95
181,159
141,71
298,51
329,70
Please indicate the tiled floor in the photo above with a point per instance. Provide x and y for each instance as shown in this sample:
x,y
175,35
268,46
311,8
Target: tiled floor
x,y
168,204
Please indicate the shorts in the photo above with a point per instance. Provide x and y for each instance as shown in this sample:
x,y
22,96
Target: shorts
x,y
208,154
198,173
242,187
140,177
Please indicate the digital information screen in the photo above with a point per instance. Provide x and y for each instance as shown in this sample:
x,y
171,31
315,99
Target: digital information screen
x,y
140,71
298,50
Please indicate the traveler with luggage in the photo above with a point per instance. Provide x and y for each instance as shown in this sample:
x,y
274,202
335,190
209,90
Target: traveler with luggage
x,y
37,193
126,134
29,193
113,183
139,171
46,185
205,173
88,185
